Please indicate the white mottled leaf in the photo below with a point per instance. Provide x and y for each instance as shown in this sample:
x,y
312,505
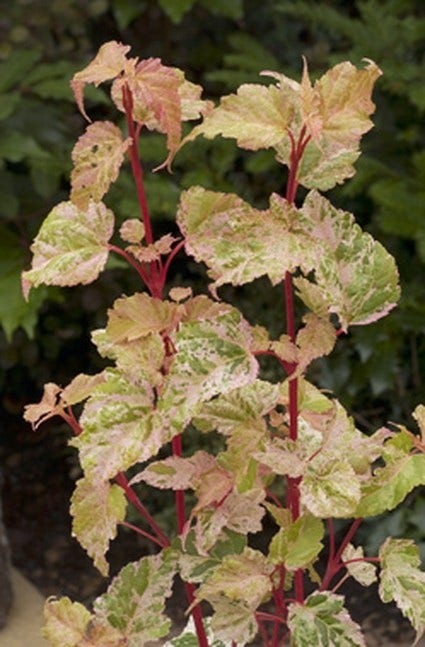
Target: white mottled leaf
x,y
354,276
235,588
403,581
134,603
119,428
97,158
323,621
212,357
71,246
65,622
330,487
239,243
97,507
363,572
241,406
175,472
69,624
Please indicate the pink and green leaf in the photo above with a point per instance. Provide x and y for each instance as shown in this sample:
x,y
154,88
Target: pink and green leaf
x,y
355,277
239,243
71,246
119,428
108,63
97,156
212,357
97,507
390,484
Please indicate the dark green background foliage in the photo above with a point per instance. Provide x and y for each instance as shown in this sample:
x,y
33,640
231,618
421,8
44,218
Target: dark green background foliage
x,y
377,371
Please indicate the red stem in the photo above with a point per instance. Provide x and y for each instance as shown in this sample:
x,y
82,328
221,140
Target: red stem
x,y
196,615
134,499
145,278
141,532
334,560
133,131
293,491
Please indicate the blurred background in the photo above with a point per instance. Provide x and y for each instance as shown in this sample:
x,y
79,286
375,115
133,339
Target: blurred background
x,y
377,371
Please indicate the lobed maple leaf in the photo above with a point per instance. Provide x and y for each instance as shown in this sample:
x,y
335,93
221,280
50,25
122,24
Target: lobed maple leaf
x,y
97,158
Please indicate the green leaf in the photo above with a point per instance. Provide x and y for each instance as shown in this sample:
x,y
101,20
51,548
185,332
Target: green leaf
x,y
97,158
212,357
119,427
362,571
232,9
355,277
175,9
16,67
391,484
14,310
125,11
298,545
8,103
330,487
402,581
322,621
71,246
97,507
135,601
239,243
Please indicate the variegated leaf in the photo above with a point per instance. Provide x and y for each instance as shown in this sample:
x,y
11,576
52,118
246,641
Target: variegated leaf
x,y
240,512
140,314
212,357
119,428
97,507
235,588
403,581
297,545
71,246
65,622
134,603
355,277
175,472
322,621
97,158
334,113
108,63
362,571
239,243
238,407
330,487
69,624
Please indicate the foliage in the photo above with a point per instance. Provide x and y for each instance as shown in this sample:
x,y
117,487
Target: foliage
x,y
186,360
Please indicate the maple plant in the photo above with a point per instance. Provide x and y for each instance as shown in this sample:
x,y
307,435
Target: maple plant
x,y
180,361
